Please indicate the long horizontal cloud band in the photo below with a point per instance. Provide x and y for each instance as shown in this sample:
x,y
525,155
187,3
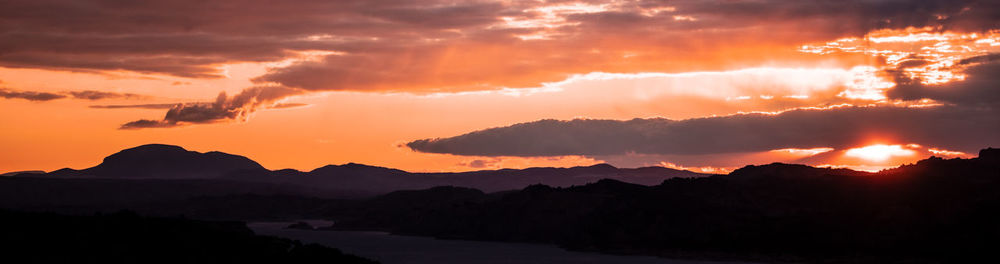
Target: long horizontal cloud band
x,y
969,122
951,127
48,96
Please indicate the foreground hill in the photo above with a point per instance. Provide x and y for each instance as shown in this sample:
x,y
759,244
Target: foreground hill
x,y
128,238
936,210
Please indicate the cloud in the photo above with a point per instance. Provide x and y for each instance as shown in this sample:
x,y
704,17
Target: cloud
x,y
225,108
963,129
969,122
140,106
438,45
430,46
48,96
146,123
287,105
98,95
981,86
480,163
29,95
617,37
189,38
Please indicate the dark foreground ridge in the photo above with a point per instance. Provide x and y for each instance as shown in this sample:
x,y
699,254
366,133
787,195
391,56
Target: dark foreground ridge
x,y
125,237
936,210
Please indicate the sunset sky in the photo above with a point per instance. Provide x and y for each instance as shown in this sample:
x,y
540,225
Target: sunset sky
x,y
427,85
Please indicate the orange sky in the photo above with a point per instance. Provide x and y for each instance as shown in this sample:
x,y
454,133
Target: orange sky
x,y
366,94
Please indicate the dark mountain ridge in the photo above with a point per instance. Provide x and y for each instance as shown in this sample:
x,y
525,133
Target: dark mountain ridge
x,y
157,161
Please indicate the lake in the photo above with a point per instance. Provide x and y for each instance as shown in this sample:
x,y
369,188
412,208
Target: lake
x,y
392,249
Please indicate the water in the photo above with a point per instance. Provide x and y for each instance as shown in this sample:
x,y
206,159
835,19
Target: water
x,y
391,249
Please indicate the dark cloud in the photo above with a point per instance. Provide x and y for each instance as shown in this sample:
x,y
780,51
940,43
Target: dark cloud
x,y
146,123
189,37
225,108
479,163
86,95
139,106
861,15
980,87
948,127
980,59
98,95
439,45
29,95
660,41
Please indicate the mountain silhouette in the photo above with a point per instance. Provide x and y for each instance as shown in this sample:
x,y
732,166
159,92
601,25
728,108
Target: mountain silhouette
x,y
375,179
168,177
157,161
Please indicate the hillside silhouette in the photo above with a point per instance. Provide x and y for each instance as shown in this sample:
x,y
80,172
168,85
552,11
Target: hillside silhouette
x,y
937,210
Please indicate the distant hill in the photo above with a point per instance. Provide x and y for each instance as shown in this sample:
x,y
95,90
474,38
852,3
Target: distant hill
x,y
26,173
157,161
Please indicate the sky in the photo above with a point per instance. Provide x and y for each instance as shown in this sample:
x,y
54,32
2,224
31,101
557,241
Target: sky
x,y
429,85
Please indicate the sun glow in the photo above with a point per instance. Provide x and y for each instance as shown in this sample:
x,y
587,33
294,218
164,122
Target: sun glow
x,y
803,152
705,169
879,152
945,152
867,84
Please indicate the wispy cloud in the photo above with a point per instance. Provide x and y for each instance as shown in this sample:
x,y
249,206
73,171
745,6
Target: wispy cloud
x,y
85,95
225,108
29,95
98,95
140,106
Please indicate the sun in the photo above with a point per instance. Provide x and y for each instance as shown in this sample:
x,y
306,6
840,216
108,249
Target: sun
x,y
879,152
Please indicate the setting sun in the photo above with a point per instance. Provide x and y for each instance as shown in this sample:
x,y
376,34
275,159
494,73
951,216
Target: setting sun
x,y
879,152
